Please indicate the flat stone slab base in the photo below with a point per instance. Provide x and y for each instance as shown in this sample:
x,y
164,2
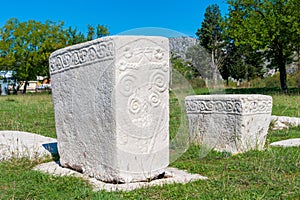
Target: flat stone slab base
x,y
284,122
295,142
19,144
172,175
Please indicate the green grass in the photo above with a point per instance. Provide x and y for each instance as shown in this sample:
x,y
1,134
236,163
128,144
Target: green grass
x,y
32,113
278,135
286,105
270,174
18,181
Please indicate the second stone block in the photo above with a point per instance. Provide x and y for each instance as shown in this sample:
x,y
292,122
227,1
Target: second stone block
x,y
231,123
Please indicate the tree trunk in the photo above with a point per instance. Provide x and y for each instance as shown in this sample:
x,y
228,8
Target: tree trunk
x,y
298,69
25,86
282,69
214,66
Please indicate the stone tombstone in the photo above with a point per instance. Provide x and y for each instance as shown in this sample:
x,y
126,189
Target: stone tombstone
x,y
231,123
111,104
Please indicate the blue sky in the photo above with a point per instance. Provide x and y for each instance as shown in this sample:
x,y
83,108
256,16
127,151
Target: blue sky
x,y
184,16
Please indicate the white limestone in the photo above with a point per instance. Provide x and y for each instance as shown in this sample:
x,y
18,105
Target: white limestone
x,y
278,125
17,144
172,175
294,142
232,123
111,106
284,122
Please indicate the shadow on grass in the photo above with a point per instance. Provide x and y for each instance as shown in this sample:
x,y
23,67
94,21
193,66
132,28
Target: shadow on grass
x,y
52,148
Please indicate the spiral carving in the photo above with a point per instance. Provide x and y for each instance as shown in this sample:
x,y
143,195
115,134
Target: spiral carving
x,y
127,84
158,79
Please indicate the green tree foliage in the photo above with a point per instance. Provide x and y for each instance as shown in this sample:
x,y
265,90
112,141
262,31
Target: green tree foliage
x,y
294,17
269,26
25,47
210,33
241,62
210,37
74,36
101,31
90,33
184,68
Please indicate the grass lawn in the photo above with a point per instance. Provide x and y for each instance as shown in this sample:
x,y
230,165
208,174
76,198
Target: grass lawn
x,y
31,113
270,174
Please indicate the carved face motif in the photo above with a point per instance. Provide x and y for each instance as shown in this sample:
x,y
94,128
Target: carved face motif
x,y
142,100
142,105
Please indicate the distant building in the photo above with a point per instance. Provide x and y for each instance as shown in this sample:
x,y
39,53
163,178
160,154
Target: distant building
x,y
7,80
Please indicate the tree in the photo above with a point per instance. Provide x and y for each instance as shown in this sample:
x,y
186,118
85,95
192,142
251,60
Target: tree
x,y
184,68
74,37
294,17
210,36
235,63
25,47
7,58
91,33
241,62
101,31
266,26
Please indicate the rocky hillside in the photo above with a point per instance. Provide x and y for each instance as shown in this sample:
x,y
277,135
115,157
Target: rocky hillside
x,y
179,45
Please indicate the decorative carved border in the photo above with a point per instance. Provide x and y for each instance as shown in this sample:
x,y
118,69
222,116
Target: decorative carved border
x,y
236,106
91,53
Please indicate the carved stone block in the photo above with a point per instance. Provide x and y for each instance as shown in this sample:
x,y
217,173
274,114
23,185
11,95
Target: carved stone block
x,y
111,104
232,123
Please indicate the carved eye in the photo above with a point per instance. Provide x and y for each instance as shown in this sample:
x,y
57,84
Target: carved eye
x,y
127,85
154,99
159,80
135,105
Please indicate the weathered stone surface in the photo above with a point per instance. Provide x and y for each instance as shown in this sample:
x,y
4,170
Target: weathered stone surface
x,y
172,175
17,144
294,142
232,123
284,122
111,106
278,125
